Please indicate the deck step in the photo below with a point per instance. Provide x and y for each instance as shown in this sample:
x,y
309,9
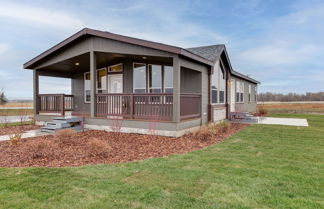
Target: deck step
x,y
59,123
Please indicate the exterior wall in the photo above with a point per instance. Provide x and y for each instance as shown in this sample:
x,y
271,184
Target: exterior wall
x,y
246,106
219,110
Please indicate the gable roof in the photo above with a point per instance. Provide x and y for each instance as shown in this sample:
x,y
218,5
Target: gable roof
x,y
126,39
213,53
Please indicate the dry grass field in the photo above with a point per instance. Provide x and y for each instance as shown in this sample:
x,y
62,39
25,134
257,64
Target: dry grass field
x,y
18,104
294,107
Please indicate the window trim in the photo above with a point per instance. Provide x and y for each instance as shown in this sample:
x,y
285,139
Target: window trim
x,y
84,89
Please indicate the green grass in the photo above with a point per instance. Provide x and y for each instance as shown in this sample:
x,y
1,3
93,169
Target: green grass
x,y
14,112
16,124
263,166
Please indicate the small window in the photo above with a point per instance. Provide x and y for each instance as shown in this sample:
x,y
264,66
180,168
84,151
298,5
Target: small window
x,y
87,88
239,91
115,68
250,92
214,94
221,97
102,80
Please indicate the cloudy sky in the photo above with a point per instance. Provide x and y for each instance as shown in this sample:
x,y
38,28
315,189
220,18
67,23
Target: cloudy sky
x,y
278,42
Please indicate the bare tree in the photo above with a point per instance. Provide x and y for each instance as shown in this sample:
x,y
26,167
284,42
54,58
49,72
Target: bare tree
x,y
3,99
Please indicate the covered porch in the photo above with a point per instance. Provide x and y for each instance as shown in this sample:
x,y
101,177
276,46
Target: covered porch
x,y
123,86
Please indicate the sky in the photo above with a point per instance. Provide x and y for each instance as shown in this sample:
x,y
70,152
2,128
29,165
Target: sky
x,y
278,42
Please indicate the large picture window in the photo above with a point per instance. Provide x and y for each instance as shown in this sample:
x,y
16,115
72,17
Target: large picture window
x,y
168,79
139,78
158,78
155,78
87,88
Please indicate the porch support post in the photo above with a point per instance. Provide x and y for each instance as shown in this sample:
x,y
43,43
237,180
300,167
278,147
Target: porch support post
x,y
36,91
93,78
176,89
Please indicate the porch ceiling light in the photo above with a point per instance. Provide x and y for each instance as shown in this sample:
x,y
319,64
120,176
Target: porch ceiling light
x,y
77,64
144,58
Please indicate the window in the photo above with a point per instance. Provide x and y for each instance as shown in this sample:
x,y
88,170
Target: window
x,y
250,90
139,78
222,83
218,85
115,68
168,79
87,88
214,94
239,91
155,78
214,89
102,80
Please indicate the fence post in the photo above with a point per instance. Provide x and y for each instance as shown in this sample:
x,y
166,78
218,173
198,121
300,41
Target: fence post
x,y
62,107
132,106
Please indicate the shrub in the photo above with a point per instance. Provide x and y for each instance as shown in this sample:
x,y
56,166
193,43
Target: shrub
x,y
223,127
97,147
262,111
206,133
66,136
15,138
43,149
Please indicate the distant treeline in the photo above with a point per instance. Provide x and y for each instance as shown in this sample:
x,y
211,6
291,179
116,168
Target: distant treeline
x,y
290,97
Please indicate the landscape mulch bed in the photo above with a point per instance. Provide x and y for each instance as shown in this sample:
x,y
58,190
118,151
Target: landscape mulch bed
x,y
17,129
99,147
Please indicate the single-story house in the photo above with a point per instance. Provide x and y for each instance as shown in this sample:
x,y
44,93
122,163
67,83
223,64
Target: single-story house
x,y
140,82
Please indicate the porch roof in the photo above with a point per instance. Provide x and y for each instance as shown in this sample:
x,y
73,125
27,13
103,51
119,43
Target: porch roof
x,y
91,32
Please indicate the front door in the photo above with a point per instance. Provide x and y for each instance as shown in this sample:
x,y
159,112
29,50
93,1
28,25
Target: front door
x,y
115,83
232,104
115,102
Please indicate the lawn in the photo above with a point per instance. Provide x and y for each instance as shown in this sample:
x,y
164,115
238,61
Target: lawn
x,y
263,166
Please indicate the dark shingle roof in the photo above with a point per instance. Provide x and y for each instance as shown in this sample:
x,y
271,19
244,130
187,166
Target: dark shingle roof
x,y
211,53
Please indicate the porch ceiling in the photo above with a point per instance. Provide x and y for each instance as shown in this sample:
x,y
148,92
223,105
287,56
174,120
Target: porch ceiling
x,y
70,66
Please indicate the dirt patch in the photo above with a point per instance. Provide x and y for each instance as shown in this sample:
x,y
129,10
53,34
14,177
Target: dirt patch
x,y
98,147
17,129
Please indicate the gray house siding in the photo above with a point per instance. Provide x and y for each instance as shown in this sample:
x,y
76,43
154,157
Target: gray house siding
x,y
246,105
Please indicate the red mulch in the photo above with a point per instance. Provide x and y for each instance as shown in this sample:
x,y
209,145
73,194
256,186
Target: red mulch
x,y
98,147
17,129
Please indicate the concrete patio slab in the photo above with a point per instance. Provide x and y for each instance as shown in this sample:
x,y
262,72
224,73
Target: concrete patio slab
x,y
27,134
282,121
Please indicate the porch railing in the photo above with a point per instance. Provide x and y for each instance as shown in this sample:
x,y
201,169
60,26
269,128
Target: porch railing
x,y
136,106
55,103
147,106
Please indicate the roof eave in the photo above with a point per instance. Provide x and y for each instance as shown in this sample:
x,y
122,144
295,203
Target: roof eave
x,y
125,39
